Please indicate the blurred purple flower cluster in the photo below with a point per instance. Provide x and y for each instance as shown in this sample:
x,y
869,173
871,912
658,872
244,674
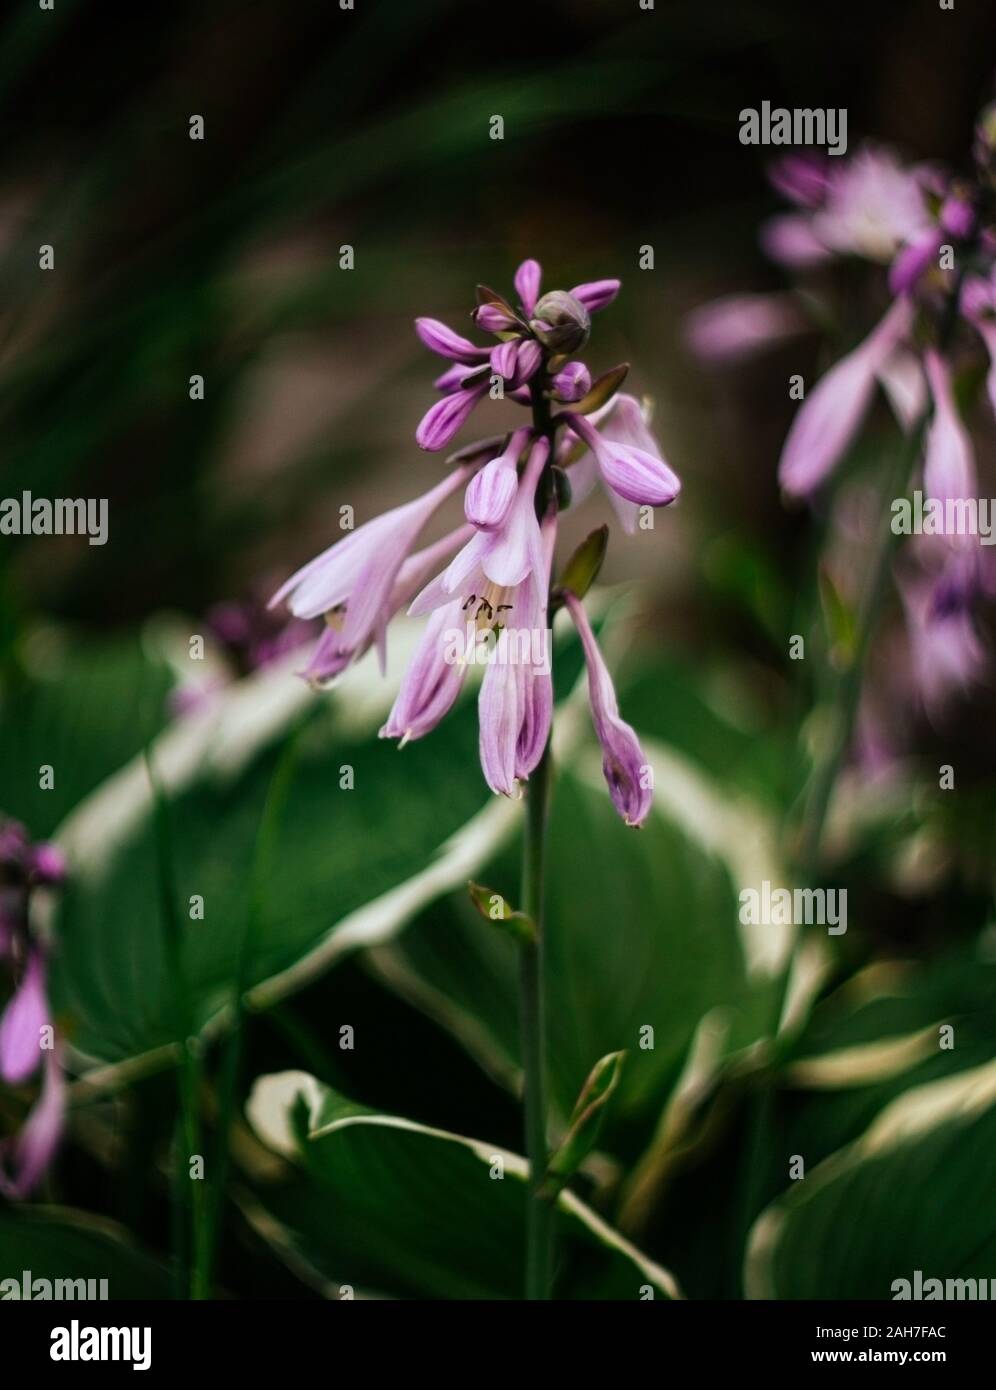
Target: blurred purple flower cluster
x,y
930,237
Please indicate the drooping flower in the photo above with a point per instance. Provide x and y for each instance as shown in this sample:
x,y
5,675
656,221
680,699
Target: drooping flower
x,y
627,772
627,459
352,584
832,412
949,467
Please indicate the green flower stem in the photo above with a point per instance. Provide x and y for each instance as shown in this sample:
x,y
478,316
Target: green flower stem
x,y
540,1209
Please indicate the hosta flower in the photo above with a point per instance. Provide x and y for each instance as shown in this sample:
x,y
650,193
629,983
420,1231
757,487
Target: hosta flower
x,y
26,1032
626,456
832,412
626,770
353,583
868,205
485,587
931,238
557,322
949,467
947,653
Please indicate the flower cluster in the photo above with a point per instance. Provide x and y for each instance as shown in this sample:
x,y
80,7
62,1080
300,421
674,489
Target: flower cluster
x,y
25,1025
931,236
492,574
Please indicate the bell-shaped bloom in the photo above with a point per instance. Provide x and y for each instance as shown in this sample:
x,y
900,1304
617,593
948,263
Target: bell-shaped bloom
x,y
331,657
515,705
447,417
432,680
832,412
627,459
528,279
949,465
494,559
352,584
22,1023
596,294
444,342
492,491
25,1158
627,772
947,655
873,205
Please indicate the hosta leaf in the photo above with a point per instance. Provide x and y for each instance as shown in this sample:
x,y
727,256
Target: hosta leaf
x,y
384,1204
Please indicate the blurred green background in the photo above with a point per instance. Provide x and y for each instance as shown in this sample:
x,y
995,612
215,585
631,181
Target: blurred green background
x,y
220,258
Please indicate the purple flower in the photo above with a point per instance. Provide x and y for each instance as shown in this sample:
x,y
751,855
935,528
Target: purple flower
x,y
22,1023
517,361
627,772
496,560
492,318
949,467
492,491
528,279
442,340
515,705
946,652
431,682
868,206
444,419
625,454
25,1159
485,587
352,583
596,294
828,419
572,382
736,326
801,178
26,1018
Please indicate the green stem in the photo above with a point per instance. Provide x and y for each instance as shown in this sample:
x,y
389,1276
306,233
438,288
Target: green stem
x,y
231,1065
540,1210
188,1192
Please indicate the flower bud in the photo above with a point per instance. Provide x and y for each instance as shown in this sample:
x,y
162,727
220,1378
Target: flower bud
x,y
572,383
492,318
562,323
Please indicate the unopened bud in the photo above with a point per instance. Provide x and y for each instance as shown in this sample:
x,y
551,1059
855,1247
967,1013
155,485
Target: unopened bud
x,y
561,322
